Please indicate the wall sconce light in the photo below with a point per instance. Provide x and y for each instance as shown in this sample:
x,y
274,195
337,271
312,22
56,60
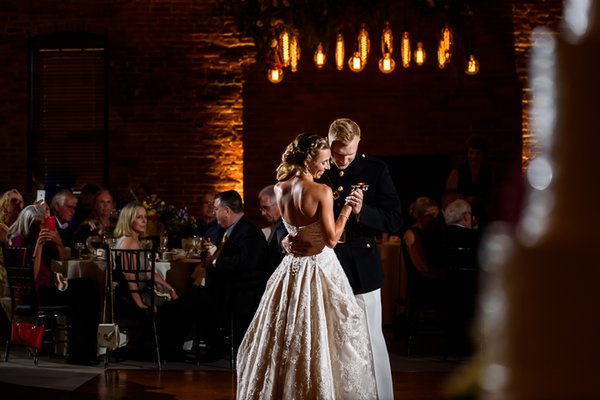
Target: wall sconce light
x,y
472,66
420,53
405,49
355,62
320,57
284,47
339,52
294,54
364,44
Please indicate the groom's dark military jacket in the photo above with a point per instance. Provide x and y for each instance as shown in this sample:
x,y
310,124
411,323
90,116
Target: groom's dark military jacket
x,y
358,253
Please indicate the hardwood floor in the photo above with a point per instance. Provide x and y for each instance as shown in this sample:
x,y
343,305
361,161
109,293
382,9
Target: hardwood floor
x,y
200,385
422,377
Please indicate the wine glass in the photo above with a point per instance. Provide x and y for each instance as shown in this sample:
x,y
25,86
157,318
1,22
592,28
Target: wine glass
x,y
162,245
79,246
198,244
187,244
93,242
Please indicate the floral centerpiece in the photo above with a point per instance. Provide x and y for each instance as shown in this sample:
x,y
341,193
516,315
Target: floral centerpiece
x,y
166,218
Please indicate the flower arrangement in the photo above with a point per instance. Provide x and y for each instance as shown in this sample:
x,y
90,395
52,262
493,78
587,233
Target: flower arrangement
x,y
163,217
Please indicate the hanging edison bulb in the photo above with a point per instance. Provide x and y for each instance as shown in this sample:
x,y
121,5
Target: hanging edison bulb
x,y
420,54
387,40
355,62
364,44
447,39
405,49
441,54
339,52
275,75
284,47
472,66
387,63
294,53
319,57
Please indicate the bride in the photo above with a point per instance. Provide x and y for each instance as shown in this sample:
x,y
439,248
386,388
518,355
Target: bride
x,y
308,339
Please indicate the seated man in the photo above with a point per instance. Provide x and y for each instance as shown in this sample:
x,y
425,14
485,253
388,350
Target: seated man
x,y
276,230
459,248
63,207
237,262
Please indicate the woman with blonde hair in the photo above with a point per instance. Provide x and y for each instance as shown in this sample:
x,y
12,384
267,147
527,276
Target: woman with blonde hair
x,y
308,339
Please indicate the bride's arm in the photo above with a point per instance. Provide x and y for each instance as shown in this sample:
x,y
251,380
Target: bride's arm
x,y
332,229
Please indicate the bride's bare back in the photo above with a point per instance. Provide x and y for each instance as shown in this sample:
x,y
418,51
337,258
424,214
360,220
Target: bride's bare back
x,y
303,202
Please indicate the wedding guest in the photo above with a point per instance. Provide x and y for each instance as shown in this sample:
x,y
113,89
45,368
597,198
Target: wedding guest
x,y
29,231
63,207
473,179
276,230
101,221
11,204
459,245
240,256
423,238
209,228
86,203
173,317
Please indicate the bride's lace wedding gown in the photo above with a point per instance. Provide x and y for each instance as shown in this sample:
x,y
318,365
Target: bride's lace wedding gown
x,y
308,339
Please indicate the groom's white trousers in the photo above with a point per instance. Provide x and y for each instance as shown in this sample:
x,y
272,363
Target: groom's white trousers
x,y
371,304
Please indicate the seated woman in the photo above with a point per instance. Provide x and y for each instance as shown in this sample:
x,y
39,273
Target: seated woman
x,y
29,231
11,204
422,248
101,221
174,318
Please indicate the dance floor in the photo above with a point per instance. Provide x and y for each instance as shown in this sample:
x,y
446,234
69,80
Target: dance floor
x,y
422,377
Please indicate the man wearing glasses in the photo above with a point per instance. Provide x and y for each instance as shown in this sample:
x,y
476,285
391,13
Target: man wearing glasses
x,y
276,231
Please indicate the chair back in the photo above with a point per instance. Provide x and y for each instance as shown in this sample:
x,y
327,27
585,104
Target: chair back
x,y
134,269
19,270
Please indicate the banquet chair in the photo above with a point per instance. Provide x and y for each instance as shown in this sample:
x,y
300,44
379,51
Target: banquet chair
x,y
133,272
247,290
25,302
424,303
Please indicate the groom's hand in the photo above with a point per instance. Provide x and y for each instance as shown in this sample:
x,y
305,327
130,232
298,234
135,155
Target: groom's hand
x,y
295,246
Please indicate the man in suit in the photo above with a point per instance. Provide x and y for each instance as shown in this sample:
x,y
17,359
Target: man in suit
x,y
375,209
235,273
276,231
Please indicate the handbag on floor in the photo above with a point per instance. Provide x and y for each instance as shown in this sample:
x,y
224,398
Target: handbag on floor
x,y
108,332
27,334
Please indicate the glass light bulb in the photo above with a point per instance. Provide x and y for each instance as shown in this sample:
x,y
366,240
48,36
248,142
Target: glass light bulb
x,y
284,47
339,52
275,75
387,63
320,57
294,54
364,44
355,62
420,54
405,49
387,40
472,66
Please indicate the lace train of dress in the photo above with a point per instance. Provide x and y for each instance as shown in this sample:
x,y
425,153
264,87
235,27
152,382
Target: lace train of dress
x,y
308,339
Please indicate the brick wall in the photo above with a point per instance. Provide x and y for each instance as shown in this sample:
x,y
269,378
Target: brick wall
x,y
189,109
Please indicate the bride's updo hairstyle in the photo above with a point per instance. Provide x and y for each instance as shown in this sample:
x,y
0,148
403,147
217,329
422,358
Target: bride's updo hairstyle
x,y
305,147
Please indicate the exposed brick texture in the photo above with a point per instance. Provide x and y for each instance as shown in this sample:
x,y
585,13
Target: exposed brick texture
x,y
190,110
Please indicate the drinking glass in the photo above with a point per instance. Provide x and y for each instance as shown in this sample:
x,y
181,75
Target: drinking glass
x,y
79,246
162,246
93,242
198,244
187,244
